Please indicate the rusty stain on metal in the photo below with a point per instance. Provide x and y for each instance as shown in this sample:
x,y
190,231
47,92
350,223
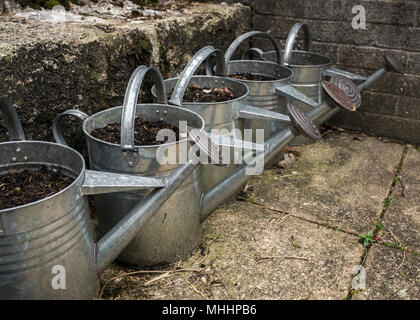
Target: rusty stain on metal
x,y
303,123
338,96
349,88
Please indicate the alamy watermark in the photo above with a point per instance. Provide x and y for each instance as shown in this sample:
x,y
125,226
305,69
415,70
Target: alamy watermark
x,y
58,281
231,147
359,20
358,283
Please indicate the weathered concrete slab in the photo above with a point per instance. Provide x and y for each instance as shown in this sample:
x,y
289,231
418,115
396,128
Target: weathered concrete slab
x,y
251,253
47,68
307,250
402,217
382,284
342,182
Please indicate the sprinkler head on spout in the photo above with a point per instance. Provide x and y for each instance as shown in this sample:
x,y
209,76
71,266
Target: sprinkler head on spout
x,y
302,123
392,64
349,88
338,96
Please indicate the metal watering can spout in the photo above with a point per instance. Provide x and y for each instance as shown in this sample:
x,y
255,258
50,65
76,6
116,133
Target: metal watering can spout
x,y
323,112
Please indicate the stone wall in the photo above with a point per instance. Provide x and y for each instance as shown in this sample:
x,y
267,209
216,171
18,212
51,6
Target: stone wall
x,y
46,68
391,107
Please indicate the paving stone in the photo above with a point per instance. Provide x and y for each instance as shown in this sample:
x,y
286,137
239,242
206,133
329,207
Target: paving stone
x,y
246,246
380,283
402,216
342,181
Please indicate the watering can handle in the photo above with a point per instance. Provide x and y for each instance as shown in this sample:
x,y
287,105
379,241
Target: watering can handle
x,y
58,136
253,51
287,54
189,70
130,102
235,44
11,120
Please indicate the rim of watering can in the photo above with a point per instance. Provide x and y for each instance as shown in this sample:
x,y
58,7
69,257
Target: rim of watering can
x,y
92,118
211,103
304,52
264,62
71,185
312,65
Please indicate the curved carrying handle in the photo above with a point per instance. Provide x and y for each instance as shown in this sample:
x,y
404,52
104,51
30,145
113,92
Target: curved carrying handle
x,y
235,44
11,120
253,52
290,42
58,136
192,66
130,102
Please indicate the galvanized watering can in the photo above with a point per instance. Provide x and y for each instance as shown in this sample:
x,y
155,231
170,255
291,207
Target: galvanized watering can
x,y
308,67
173,232
226,115
55,233
268,94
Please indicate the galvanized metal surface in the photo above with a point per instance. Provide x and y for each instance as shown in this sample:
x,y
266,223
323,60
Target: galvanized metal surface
x,y
55,232
287,55
174,230
261,93
192,66
224,116
130,102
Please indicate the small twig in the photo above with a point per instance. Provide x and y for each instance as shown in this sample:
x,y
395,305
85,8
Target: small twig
x,y
393,235
197,291
402,185
406,278
398,268
268,208
289,175
206,251
281,257
162,276
326,132
143,272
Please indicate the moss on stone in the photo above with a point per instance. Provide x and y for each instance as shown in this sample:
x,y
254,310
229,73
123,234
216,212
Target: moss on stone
x,y
150,3
51,3
48,4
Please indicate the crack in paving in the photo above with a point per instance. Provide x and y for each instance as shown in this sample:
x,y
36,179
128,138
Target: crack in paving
x,y
379,222
335,228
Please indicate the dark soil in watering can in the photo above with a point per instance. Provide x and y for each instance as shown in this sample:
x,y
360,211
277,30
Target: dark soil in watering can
x,y
252,77
22,187
198,94
145,132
